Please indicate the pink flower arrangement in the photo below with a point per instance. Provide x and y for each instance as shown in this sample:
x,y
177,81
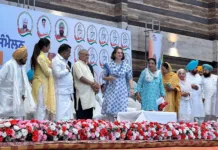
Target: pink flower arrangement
x,y
37,131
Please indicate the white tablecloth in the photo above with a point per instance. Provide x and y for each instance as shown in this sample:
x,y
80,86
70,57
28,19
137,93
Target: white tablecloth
x,y
152,116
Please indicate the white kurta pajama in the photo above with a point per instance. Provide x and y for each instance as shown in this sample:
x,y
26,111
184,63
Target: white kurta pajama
x,y
185,110
197,104
13,85
210,93
43,30
63,89
98,104
133,105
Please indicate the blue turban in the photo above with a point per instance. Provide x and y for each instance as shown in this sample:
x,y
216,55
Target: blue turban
x,y
207,67
192,65
30,74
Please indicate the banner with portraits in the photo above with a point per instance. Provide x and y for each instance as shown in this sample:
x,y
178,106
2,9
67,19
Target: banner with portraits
x,y
156,47
20,26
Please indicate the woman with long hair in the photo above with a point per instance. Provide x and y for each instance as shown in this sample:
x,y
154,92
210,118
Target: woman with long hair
x,y
150,86
172,88
119,84
43,83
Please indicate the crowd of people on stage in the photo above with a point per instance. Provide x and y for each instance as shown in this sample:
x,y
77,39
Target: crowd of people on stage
x,y
189,94
58,90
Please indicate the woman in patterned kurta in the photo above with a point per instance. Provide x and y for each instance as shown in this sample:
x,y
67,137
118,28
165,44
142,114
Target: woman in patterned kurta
x,y
118,76
150,86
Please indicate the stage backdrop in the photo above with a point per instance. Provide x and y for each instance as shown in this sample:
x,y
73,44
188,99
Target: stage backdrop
x,y
156,47
21,26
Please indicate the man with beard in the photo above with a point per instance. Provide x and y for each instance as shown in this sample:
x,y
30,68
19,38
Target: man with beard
x,y
61,30
15,87
25,27
209,91
195,80
200,70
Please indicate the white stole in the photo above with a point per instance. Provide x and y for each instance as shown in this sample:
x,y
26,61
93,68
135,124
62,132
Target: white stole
x,y
149,76
16,92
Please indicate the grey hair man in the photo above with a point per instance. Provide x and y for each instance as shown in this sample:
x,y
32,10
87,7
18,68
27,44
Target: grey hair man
x,y
85,85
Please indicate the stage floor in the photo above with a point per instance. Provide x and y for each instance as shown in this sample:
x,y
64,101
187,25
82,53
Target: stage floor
x,y
171,145
174,148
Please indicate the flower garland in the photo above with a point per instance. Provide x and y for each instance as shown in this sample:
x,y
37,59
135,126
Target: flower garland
x,y
38,131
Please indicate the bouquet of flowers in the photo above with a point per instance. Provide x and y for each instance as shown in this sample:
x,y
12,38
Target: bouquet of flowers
x,y
161,103
38,131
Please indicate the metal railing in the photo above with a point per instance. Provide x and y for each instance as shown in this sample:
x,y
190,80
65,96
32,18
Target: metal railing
x,y
28,4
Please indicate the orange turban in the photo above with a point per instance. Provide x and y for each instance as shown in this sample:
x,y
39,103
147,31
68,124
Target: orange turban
x,y
199,68
20,53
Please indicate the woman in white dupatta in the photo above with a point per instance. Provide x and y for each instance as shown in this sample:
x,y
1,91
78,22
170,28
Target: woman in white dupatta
x,y
185,111
150,86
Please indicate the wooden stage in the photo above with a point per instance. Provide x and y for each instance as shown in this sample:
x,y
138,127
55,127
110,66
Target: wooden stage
x,y
151,145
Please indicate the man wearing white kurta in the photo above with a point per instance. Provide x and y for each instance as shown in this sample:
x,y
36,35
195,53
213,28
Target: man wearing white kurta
x,y
98,102
196,83
15,87
86,87
43,27
63,84
133,104
210,92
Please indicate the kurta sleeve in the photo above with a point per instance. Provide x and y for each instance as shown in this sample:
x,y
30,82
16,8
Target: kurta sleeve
x,y
190,92
202,89
99,98
44,66
77,71
175,82
105,70
58,72
141,81
129,73
162,90
176,85
3,73
202,93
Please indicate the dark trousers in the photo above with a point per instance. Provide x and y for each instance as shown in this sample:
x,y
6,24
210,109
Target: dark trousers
x,y
83,114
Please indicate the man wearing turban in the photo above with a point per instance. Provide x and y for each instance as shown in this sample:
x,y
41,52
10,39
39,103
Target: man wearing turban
x,y
61,30
25,26
200,70
209,91
195,80
14,87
